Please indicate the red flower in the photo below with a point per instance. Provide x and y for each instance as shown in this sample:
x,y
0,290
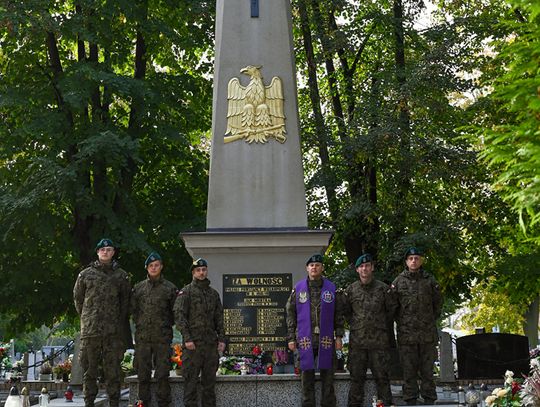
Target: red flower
x,y
515,388
256,350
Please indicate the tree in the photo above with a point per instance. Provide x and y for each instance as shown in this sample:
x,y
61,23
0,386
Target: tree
x,y
506,127
511,127
105,107
387,166
489,309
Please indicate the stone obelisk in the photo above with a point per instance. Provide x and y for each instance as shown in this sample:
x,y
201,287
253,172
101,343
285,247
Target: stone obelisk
x,y
256,213
255,184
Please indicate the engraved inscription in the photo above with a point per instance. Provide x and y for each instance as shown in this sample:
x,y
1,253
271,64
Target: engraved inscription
x,y
254,311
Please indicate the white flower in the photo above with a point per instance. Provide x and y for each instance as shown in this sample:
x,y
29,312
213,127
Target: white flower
x,y
490,400
502,393
535,363
495,391
509,373
509,380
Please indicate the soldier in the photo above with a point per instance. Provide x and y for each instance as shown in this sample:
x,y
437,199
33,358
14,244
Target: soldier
x,y
101,295
370,307
315,328
419,307
199,317
152,303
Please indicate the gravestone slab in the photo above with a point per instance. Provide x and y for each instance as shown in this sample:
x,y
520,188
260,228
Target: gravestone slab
x,y
489,356
446,358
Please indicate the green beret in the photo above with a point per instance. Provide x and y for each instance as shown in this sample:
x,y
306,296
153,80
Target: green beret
x,y
365,258
199,263
104,243
413,251
316,258
151,258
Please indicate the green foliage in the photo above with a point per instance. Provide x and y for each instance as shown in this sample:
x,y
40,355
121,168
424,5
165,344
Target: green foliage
x,y
511,126
399,171
489,308
105,109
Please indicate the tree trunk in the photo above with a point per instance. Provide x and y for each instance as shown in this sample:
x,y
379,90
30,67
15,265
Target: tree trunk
x,y
321,132
530,326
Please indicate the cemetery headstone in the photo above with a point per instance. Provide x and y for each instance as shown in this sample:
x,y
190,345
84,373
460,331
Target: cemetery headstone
x,y
490,355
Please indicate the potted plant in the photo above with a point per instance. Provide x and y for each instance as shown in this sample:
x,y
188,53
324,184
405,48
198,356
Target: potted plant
x,y
45,373
63,370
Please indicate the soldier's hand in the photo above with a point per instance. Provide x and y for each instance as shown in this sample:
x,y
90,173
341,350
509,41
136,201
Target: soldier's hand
x,y
339,343
221,347
190,345
292,346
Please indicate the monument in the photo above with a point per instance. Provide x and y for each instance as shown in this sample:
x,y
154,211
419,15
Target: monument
x,y
256,239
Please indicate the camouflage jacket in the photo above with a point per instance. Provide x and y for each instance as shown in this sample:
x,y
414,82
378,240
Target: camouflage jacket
x,y
198,313
369,309
101,295
152,303
315,287
419,306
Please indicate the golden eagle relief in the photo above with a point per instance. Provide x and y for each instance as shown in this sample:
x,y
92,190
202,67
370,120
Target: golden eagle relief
x,y
255,111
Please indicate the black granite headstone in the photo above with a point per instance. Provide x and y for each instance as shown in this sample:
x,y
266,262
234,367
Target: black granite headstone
x,y
489,356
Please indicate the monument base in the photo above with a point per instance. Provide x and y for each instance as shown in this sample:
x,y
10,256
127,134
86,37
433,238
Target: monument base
x,y
256,251
282,390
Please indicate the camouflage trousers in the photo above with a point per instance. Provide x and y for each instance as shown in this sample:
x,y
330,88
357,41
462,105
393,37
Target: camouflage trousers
x,y
417,361
204,360
157,356
108,351
328,395
359,360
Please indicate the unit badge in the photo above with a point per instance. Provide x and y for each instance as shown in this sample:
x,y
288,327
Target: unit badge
x,y
328,296
302,297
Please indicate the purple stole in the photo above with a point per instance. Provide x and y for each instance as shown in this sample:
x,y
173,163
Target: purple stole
x,y
326,322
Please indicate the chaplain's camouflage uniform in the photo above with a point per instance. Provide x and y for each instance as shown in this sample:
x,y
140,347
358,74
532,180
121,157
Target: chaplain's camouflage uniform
x,y
328,396
369,309
199,317
101,295
420,305
152,305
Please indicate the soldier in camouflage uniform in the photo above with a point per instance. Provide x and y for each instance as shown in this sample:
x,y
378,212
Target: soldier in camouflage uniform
x,y
101,295
419,308
315,268
199,317
369,307
152,303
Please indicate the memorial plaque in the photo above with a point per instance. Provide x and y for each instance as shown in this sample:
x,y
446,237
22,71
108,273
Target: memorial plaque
x,y
254,311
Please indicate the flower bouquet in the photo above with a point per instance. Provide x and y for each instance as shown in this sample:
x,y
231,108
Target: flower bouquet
x,y
256,366
231,365
509,395
176,359
530,391
62,370
4,357
45,371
